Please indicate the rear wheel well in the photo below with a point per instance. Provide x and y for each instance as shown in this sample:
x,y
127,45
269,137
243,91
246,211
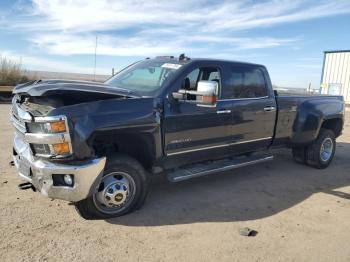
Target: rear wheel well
x,y
335,124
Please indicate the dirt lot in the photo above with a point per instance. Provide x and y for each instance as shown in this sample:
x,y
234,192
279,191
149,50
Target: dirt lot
x,y
300,213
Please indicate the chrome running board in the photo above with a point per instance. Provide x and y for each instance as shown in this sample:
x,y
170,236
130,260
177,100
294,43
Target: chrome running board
x,y
203,169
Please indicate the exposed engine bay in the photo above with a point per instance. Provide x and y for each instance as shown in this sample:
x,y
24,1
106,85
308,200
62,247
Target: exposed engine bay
x,y
40,97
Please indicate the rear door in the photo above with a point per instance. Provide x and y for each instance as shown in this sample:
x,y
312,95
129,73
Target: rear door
x,y
253,107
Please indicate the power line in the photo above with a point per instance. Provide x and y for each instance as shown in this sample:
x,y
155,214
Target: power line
x,y
95,60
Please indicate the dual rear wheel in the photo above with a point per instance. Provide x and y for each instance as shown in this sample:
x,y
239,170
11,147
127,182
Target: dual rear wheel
x,y
320,153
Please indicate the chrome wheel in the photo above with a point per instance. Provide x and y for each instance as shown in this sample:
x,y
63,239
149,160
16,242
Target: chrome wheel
x,y
115,193
326,149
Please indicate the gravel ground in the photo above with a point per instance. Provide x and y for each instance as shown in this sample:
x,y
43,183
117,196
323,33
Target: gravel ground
x,y
300,214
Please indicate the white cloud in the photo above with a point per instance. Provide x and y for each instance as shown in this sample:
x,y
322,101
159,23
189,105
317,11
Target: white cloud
x,y
268,13
210,28
147,28
143,45
199,15
41,63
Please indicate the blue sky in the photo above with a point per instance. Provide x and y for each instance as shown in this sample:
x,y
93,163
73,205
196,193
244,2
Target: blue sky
x,y
289,37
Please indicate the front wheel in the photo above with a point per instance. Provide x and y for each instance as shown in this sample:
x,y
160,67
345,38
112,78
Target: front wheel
x,y
320,153
122,189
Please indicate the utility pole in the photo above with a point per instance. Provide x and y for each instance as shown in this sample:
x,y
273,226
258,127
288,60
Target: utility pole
x,y
95,60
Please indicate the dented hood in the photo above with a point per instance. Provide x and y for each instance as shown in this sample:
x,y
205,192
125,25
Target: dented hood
x,y
51,87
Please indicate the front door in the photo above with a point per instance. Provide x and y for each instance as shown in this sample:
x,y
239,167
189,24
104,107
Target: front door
x,y
195,132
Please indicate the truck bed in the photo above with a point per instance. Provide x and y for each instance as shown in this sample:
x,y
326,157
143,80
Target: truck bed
x,y
299,117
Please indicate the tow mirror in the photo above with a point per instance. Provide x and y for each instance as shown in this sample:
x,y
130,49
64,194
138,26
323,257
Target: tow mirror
x,y
206,94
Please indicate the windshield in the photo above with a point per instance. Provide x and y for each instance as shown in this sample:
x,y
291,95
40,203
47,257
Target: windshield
x,y
144,78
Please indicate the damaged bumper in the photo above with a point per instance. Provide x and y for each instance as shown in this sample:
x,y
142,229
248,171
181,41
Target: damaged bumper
x,y
45,175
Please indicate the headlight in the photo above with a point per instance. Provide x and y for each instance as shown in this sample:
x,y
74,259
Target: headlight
x,y
49,136
47,128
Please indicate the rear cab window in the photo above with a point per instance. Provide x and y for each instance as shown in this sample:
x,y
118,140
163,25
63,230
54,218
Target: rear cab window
x,y
245,82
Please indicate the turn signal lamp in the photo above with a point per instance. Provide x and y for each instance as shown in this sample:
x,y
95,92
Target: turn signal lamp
x,y
61,149
59,126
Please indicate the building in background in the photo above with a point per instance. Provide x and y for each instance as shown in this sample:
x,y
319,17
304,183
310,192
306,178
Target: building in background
x,y
335,79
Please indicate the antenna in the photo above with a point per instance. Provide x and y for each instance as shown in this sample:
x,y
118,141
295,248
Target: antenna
x,y
95,60
183,57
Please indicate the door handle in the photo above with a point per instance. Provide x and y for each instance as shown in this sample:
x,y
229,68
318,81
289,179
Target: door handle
x,y
269,108
224,111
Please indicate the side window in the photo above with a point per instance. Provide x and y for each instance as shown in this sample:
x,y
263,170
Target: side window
x,y
246,82
193,78
214,75
204,73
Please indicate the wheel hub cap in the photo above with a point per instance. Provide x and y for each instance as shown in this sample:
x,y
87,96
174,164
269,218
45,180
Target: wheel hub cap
x,y
115,192
326,149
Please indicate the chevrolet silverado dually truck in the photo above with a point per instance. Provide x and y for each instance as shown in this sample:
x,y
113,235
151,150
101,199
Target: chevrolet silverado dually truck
x,y
97,145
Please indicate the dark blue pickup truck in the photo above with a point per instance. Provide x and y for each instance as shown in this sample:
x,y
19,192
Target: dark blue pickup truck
x,y
97,145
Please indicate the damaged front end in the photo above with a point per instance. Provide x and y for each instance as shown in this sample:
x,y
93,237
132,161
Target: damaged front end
x,y
35,116
43,152
57,127
38,140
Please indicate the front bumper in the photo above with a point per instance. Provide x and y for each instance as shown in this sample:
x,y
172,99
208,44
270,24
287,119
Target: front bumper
x,y
39,172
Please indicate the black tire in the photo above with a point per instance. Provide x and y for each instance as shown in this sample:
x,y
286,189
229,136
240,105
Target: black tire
x,y
299,154
88,208
313,151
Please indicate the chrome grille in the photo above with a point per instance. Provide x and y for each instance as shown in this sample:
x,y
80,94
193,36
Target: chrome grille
x,y
18,123
19,117
33,133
